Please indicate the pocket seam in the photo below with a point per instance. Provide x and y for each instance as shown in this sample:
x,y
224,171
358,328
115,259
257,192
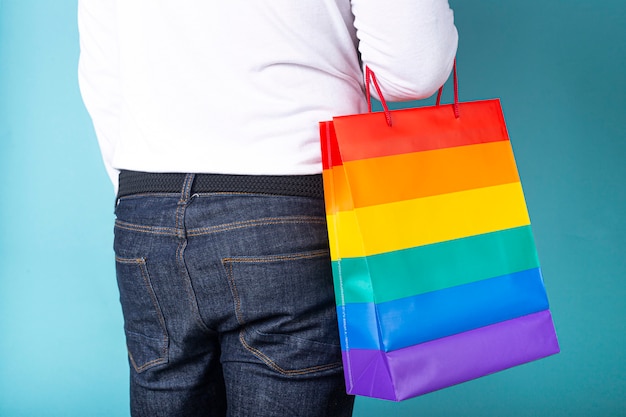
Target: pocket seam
x,y
272,364
141,264
228,266
230,261
256,223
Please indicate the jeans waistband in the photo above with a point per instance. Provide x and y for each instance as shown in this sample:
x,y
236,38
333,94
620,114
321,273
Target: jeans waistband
x,y
135,182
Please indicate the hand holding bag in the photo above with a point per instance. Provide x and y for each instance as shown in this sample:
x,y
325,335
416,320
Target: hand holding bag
x,y
436,274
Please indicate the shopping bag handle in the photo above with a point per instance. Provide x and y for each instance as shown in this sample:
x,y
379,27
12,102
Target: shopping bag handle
x,y
455,81
370,77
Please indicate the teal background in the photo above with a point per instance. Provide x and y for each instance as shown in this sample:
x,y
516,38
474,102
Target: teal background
x,y
558,67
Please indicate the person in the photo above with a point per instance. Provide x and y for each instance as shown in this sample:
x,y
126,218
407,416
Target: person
x,y
207,117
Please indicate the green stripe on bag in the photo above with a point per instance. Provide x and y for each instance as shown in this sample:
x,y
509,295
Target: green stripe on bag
x,y
447,264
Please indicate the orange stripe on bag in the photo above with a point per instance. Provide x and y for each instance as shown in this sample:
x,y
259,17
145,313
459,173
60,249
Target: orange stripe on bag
x,y
375,181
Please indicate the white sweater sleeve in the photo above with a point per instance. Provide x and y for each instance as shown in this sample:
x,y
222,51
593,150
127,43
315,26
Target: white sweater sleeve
x,y
409,44
98,73
238,87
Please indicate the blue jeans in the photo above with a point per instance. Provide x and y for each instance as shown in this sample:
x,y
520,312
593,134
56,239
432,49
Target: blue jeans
x,y
228,305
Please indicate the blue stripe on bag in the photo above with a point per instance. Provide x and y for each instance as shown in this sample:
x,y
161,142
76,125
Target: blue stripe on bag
x,y
443,313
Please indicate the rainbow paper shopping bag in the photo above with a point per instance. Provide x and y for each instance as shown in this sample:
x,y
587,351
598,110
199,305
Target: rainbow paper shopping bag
x,y
436,273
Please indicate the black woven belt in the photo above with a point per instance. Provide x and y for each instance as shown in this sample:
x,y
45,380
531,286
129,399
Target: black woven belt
x,y
134,182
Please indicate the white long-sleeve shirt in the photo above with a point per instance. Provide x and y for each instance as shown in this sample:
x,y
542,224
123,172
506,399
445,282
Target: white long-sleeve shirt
x,y
238,87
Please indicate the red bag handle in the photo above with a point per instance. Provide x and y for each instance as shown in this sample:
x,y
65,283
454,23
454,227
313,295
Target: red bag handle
x,y
455,80
370,76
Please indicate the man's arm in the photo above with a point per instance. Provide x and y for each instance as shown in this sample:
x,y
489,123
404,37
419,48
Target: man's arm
x,y
98,73
409,44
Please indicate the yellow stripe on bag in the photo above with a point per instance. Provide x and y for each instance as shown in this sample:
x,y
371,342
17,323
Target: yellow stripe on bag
x,y
406,224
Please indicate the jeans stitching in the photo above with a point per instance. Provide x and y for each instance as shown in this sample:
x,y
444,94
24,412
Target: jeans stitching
x,y
181,207
181,231
238,313
257,222
269,362
275,258
141,263
193,300
156,230
234,291
146,365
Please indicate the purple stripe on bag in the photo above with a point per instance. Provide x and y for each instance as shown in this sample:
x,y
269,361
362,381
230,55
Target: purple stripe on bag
x,y
440,363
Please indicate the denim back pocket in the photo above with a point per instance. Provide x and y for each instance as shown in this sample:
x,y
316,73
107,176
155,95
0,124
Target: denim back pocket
x,y
146,335
285,305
